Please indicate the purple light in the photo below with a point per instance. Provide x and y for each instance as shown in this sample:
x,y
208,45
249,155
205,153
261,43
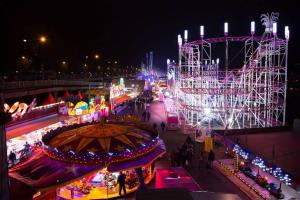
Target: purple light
x,y
185,35
274,28
179,39
225,28
201,32
252,27
286,32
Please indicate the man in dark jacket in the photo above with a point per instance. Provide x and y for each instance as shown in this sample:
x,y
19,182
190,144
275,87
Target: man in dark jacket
x,y
12,158
162,125
211,158
121,181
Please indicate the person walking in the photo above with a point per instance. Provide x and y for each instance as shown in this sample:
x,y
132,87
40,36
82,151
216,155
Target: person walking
x,y
121,182
173,158
162,125
200,159
178,157
154,126
190,154
211,158
12,158
72,192
27,149
144,116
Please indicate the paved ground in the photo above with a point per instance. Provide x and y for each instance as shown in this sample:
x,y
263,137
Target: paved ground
x,y
208,179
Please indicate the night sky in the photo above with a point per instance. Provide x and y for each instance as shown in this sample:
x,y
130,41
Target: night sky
x,y
126,30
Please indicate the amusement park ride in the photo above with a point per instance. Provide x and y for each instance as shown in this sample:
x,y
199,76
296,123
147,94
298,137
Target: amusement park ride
x,y
252,96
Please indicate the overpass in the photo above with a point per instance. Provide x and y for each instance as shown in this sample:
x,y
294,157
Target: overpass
x,y
25,88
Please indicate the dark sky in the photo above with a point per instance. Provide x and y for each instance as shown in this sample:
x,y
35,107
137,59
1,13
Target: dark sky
x,y
126,30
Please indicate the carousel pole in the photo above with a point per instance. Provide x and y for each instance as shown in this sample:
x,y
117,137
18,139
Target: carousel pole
x,y
4,183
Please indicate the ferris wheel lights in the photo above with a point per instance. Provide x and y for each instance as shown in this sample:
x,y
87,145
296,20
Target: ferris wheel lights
x,y
230,120
213,62
185,35
252,27
218,60
201,32
286,32
225,28
274,28
168,61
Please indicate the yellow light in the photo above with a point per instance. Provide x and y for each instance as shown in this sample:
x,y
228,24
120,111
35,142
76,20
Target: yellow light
x,y
64,62
96,56
24,40
43,39
23,57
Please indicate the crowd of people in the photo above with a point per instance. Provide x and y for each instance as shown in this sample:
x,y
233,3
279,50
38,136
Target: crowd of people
x,y
183,155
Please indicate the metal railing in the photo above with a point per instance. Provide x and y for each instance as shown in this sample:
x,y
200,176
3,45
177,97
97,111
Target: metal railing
x,y
46,83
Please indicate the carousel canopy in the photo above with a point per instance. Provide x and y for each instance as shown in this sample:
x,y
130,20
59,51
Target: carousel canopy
x,y
98,138
88,148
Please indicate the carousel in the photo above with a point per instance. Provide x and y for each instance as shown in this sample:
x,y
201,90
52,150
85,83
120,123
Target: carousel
x,y
83,161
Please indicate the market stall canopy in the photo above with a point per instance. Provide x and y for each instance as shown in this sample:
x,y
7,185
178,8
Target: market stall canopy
x,y
79,95
66,94
50,99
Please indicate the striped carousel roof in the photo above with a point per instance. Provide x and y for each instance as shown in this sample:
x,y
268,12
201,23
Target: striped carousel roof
x,y
97,138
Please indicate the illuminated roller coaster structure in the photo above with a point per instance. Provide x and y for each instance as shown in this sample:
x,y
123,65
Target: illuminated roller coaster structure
x,y
253,96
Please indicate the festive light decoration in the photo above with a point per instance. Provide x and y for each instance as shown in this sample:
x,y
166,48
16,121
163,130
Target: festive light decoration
x,y
263,165
237,149
260,194
17,110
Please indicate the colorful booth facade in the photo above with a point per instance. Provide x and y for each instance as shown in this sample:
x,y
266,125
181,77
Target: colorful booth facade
x,y
95,104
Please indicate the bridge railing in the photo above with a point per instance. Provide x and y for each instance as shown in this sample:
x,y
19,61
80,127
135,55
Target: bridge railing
x,y
46,83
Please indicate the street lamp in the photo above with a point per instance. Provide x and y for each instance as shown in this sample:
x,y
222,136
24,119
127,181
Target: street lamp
x,y
43,39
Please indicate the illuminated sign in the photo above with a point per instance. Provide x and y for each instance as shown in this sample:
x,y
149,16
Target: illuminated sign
x,y
17,110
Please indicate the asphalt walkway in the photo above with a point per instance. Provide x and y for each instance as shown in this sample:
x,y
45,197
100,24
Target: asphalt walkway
x,y
208,179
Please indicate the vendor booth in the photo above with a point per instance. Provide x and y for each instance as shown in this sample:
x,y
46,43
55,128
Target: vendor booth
x,y
172,122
